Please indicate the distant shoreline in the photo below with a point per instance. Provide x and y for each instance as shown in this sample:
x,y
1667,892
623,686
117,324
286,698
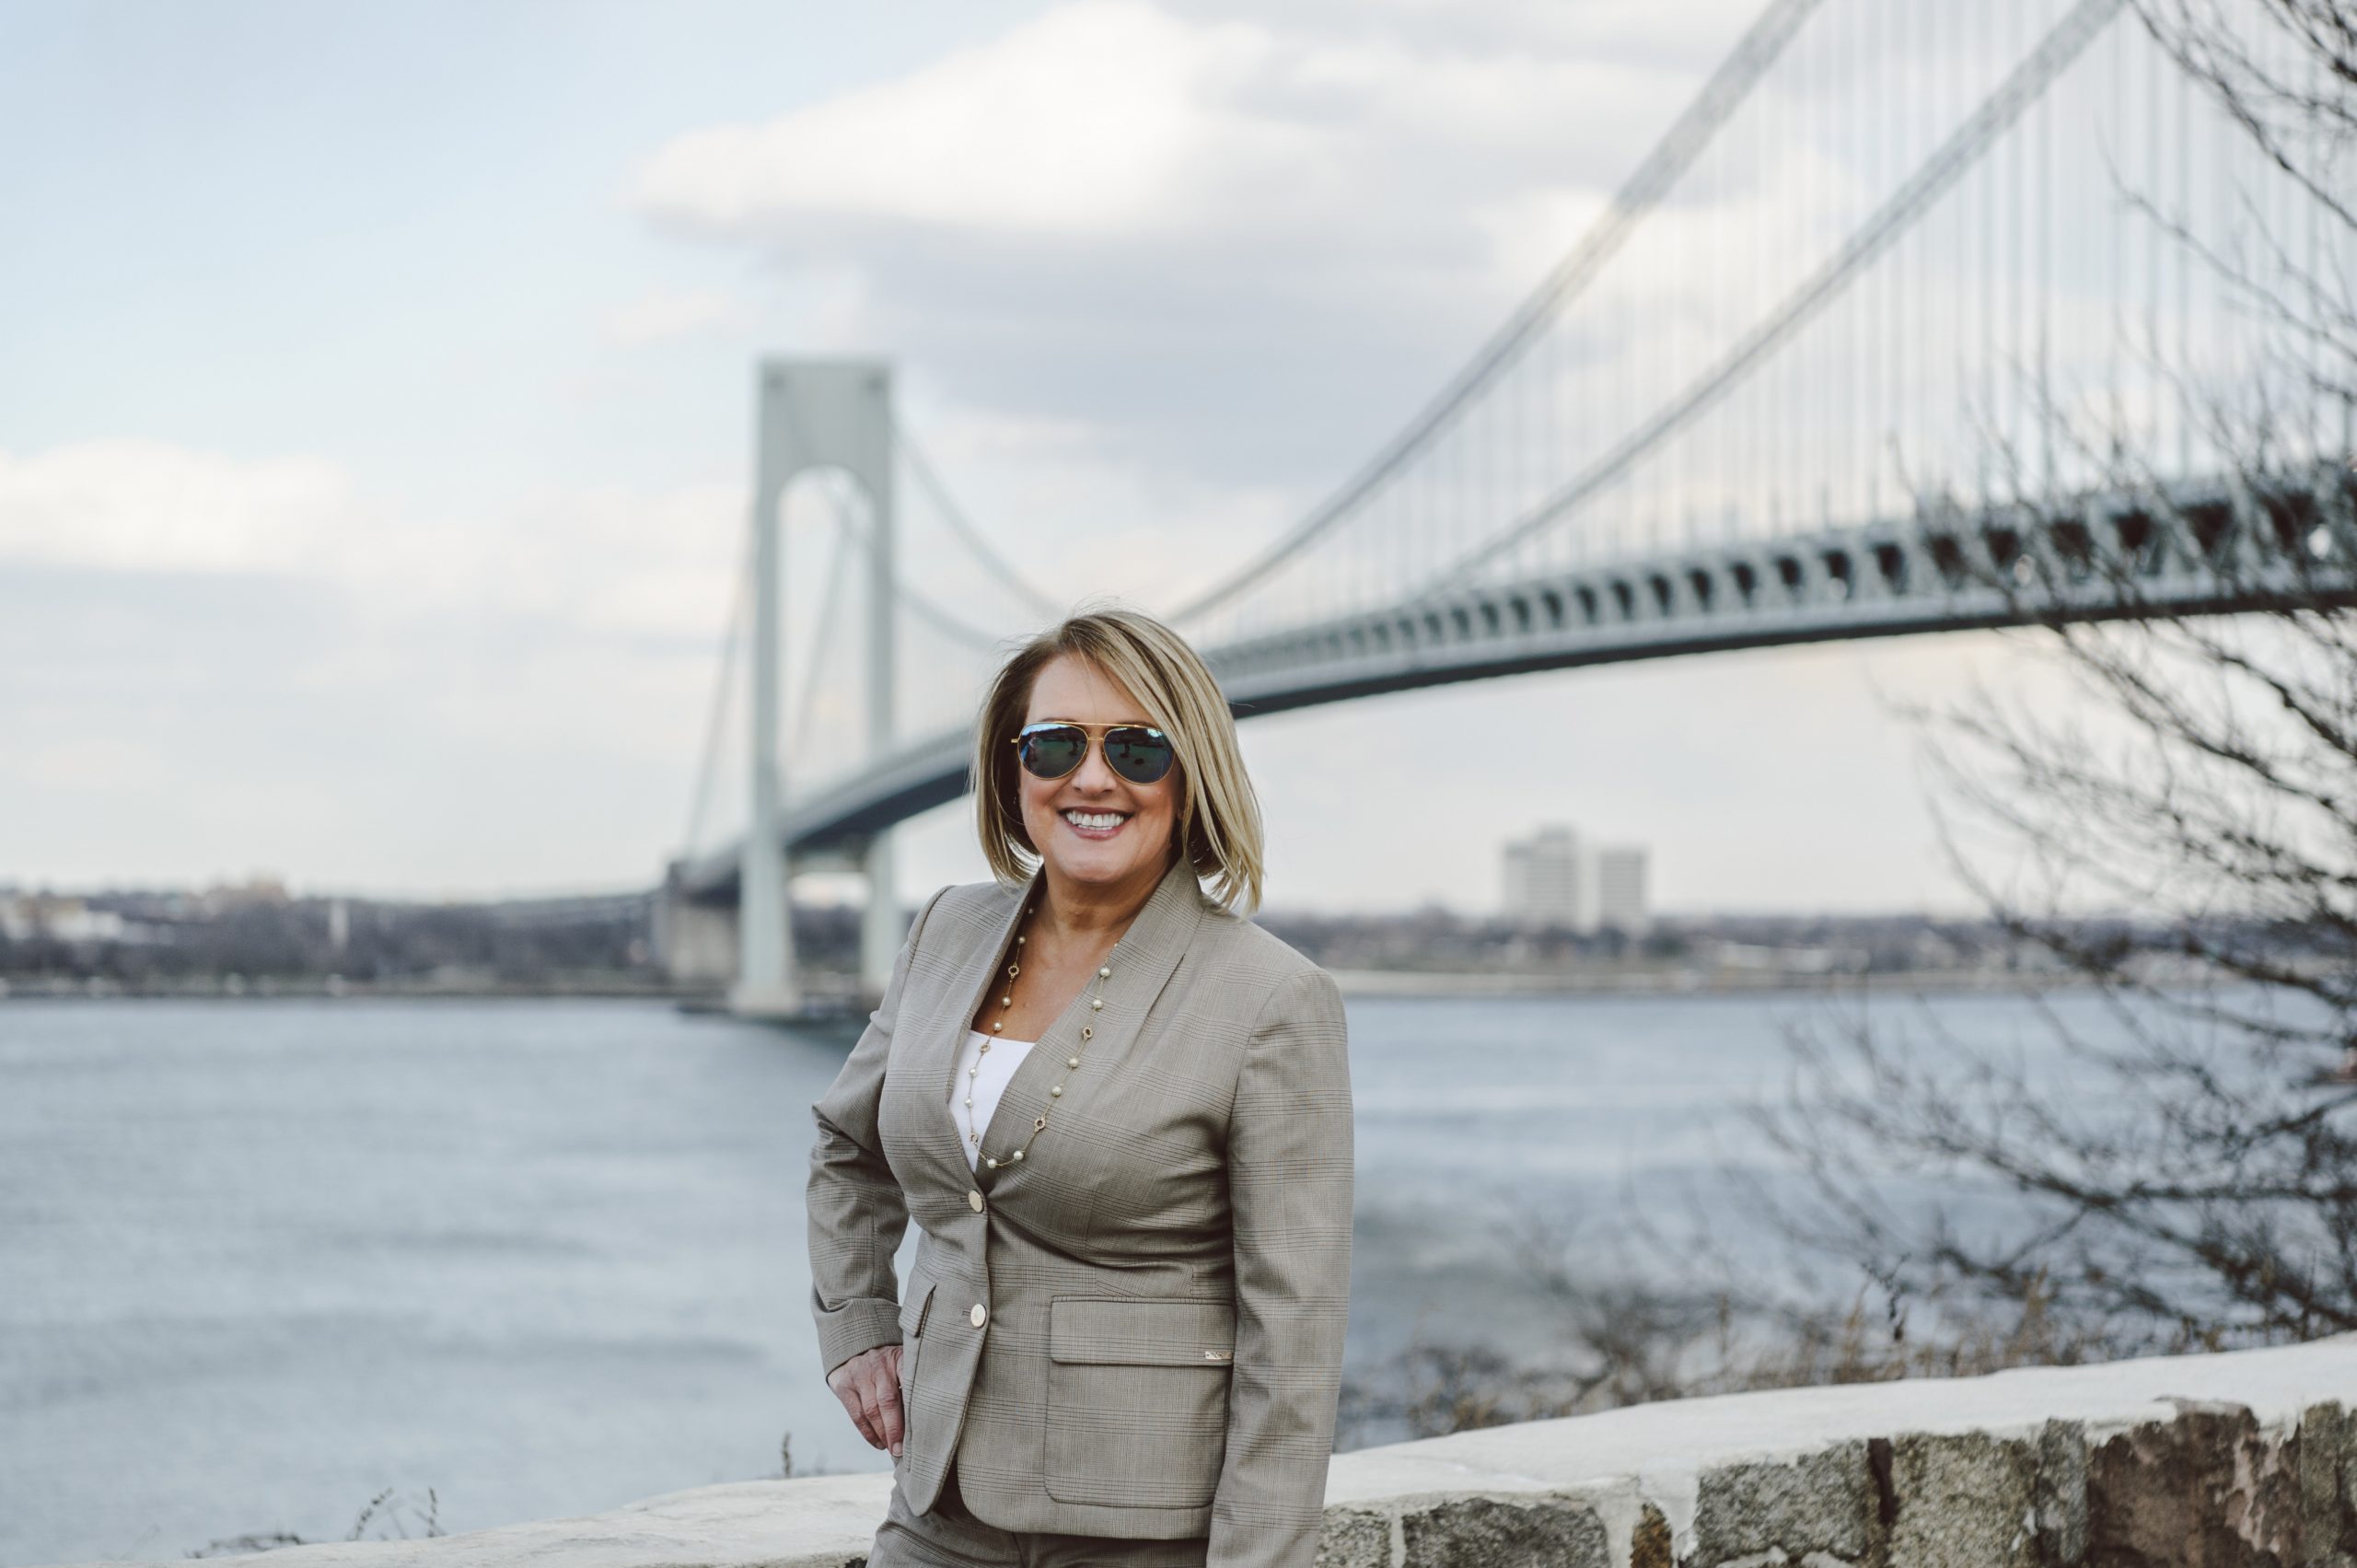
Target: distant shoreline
x,y
1406,983
1438,985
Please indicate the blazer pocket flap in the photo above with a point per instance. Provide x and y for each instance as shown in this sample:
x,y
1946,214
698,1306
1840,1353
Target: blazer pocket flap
x,y
913,1310
1139,1331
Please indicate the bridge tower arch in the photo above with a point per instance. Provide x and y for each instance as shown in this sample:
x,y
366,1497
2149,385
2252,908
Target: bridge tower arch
x,y
813,414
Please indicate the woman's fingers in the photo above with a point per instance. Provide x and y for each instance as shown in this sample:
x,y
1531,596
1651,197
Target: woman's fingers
x,y
849,1395
871,1423
890,1401
853,1385
869,1386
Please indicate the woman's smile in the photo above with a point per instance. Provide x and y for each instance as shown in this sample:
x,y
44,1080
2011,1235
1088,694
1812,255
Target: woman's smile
x,y
1098,825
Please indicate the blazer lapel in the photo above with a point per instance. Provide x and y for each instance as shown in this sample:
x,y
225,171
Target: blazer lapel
x,y
1142,963
983,969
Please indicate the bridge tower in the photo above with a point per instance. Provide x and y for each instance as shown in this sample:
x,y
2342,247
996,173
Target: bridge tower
x,y
813,414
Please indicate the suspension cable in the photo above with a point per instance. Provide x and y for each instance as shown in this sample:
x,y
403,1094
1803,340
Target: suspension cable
x,y
1035,599
1959,153
1663,168
942,617
723,690
822,639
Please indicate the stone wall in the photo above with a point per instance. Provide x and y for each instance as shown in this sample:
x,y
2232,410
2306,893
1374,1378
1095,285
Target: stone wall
x,y
2218,1462
2207,1485
2241,1460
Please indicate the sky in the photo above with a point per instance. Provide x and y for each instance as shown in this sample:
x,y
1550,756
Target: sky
x,y
375,415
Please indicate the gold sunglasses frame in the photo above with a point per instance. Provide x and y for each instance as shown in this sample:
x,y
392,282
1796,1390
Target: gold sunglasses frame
x,y
1095,733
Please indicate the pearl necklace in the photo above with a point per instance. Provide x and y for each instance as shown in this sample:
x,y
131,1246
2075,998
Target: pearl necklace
x,y
1056,1090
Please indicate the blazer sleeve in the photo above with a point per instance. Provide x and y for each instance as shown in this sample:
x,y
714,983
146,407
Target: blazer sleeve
x,y
857,1213
1289,1190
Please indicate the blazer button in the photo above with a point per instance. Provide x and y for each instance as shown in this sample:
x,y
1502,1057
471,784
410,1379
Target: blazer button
x,y
977,1315
974,1200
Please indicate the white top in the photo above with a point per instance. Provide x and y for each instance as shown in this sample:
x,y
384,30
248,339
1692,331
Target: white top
x,y
998,1064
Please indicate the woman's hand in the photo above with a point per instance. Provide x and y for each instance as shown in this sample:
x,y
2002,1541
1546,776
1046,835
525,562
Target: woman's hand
x,y
869,1386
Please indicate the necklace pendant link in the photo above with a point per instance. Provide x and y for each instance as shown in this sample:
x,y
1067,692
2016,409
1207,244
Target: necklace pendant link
x,y
998,1026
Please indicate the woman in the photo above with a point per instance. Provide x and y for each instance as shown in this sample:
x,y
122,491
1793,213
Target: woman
x,y
1120,1116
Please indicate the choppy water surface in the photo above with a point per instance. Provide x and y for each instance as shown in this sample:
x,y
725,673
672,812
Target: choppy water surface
x,y
260,1261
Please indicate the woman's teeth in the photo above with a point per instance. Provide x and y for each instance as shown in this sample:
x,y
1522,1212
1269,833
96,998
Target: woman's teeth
x,y
1095,821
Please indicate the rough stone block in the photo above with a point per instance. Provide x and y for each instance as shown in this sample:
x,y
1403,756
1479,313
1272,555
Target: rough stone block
x,y
1489,1532
1964,1502
2327,1467
2208,1489
1822,1503
2060,1494
1355,1538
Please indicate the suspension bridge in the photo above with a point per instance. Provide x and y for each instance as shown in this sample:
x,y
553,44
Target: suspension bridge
x,y
1916,318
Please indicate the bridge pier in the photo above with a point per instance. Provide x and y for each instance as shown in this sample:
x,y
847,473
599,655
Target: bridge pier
x,y
812,414
698,937
695,942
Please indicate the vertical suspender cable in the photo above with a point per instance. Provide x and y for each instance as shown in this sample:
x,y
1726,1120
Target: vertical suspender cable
x,y
822,640
2153,61
2317,367
723,690
1780,407
2117,105
2017,187
1664,166
2183,370
1923,190
921,468
1873,120
1986,348
1908,292
2046,412
1960,260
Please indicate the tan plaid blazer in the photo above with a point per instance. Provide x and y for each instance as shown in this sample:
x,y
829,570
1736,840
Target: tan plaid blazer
x,y
1137,1331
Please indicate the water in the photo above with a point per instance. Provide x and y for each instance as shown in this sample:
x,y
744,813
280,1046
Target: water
x,y
260,1261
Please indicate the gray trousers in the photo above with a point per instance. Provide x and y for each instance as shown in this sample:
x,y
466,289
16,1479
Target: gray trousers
x,y
949,1537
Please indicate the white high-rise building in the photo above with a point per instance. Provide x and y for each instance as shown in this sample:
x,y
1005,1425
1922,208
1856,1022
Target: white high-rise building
x,y
1620,888
1555,878
1542,879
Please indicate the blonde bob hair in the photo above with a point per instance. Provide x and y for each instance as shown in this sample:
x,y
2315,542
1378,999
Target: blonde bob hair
x,y
1218,825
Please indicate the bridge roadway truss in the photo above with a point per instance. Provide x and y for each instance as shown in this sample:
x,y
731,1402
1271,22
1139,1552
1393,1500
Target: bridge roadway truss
x,y
2206,548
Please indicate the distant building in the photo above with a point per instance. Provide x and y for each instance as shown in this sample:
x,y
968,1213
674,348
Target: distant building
x,y
1620,887
60,919
1555,878
261,891
1542,879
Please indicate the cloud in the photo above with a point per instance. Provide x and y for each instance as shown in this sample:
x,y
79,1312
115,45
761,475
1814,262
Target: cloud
x,y
254,663
1090,119
154,506
1238,244
1123,121
599,559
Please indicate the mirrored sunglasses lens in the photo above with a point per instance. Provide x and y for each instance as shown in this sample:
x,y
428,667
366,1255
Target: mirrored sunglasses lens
x,y
1053,753
1141,756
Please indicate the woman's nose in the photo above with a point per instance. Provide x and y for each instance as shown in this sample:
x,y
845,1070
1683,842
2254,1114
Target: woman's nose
x,y
1093,776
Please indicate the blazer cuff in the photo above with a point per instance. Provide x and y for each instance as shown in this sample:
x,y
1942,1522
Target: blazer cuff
x,y
857,1325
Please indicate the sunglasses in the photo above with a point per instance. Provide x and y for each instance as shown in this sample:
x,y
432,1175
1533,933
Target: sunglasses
x,y
1140,753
